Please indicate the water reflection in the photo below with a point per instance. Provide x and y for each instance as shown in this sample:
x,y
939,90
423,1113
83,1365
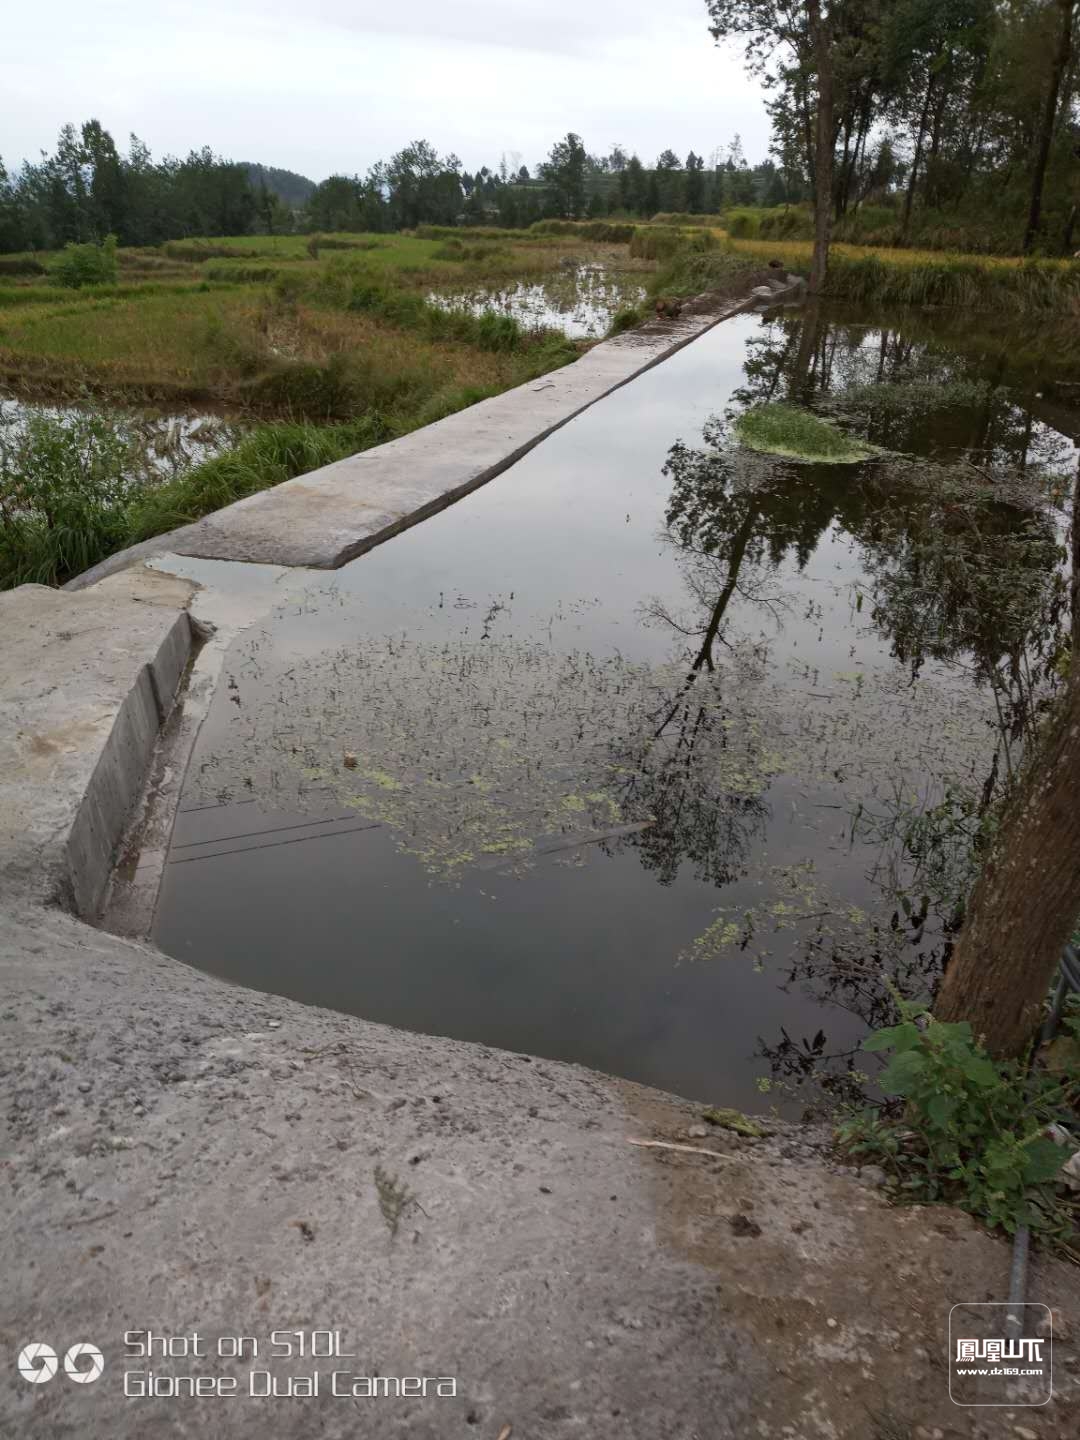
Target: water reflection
x,y
781,692
580,300
162,443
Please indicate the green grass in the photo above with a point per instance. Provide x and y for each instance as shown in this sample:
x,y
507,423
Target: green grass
x,y
629,317
74,492
928,278
267,457
689,272
339,350
796,434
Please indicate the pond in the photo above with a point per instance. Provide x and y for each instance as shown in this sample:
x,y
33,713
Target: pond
x,y
578,299
654,754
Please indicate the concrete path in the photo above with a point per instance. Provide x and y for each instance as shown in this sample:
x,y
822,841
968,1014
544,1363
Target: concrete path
x,y
328,517
187,1156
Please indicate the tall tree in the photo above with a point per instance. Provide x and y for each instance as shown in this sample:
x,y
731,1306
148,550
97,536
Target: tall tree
x,y
1059,65
564,174
806,35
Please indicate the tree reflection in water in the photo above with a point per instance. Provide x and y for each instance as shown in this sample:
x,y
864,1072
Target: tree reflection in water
x,y
961,567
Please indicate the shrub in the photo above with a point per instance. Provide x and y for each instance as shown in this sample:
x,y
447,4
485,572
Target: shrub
x,y
65,485
241,274
972,1131
196,251
614,233
628,318
81,265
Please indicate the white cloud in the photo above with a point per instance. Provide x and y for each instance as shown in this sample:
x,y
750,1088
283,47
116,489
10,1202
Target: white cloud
x,y
331,85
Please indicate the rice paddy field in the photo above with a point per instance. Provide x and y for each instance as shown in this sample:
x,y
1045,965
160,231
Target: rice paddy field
x,y
310,347
226,321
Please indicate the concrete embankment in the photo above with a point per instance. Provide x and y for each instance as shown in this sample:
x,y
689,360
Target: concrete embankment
x,y
185,1157
334,514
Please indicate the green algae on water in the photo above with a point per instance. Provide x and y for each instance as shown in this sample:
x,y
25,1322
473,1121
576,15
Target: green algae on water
x,y
796,434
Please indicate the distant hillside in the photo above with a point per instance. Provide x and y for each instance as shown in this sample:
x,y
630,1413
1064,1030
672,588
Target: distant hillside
x,y
292,188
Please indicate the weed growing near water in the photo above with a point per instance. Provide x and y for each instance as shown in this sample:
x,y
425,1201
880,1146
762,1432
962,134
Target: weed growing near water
x,y
64,496
267,457
628,318
972,1131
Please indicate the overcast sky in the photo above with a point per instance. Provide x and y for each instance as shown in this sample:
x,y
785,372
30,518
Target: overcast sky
x,y
332,85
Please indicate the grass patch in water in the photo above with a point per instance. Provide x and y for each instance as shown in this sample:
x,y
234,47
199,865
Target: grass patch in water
x,y
799,435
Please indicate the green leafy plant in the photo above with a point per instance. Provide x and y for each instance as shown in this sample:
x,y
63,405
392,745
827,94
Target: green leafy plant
x,y
81,265
65,486
968,1130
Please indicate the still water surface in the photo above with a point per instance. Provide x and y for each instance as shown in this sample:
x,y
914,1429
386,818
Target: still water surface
x,y
604,763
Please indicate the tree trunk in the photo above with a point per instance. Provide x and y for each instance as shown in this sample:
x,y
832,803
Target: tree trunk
x,y
1067,238
1025,902
1046,130
1027,898
917,157
823,146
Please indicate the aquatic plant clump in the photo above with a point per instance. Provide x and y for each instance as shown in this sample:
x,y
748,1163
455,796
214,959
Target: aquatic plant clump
x,y
797,434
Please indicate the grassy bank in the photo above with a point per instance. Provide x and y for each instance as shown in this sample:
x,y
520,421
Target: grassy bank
x,y
925,277
74,491
339,342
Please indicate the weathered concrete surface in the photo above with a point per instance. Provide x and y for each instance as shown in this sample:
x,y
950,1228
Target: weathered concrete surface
x,y
187,1155
85,682
329,516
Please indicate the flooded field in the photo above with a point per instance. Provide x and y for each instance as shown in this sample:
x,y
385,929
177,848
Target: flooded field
x,y
657,753
580,300
162,443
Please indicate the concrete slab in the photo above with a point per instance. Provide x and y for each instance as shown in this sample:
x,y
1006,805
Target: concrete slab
x,y
329,516
185,1156
85,683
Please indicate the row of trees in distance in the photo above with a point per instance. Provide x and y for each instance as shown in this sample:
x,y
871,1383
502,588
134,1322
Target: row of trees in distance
x,y
88,188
